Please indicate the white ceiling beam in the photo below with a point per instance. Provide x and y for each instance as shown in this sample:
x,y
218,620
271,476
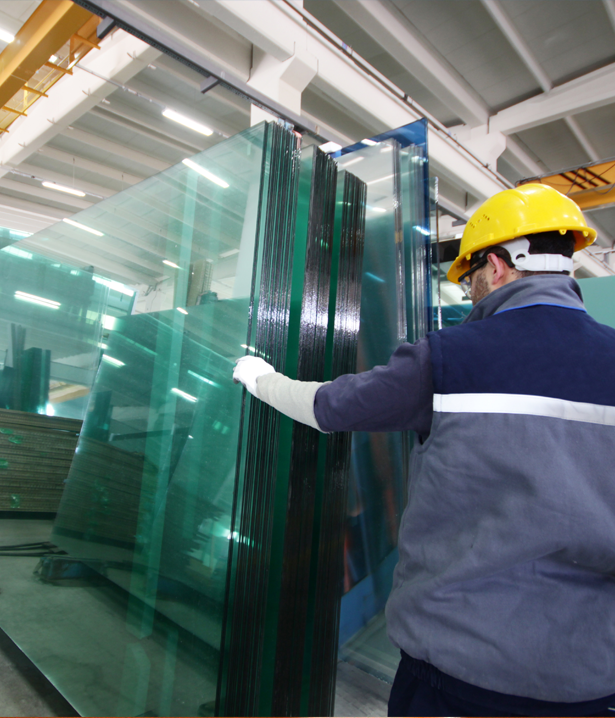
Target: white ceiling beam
x,y
592,264
517,42
120,57
77,257
112,247
582,138
136,122
199,112
609,6
521,160
96,190
392,31
339,78
526,55
115,148
25,216
593,90
76,203
73,160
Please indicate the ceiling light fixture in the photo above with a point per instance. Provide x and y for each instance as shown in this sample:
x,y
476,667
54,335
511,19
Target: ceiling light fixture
x,y
6,36
182,310
369,143
187,122
33,299
205,173
170,264
112,360
83,227
183,395
62,188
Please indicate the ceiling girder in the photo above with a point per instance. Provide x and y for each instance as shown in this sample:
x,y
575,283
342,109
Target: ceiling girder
x,y
48,28
593,90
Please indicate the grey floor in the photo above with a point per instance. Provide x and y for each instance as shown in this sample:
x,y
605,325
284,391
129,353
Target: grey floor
x,y
25,691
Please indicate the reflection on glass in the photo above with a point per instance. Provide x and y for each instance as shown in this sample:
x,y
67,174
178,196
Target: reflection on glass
x,y
146,514
394,308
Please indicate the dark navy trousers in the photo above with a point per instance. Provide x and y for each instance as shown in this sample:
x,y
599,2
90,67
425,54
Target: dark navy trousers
x,y
420,689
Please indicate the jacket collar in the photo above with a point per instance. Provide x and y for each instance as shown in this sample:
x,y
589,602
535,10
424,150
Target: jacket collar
x,y
552,289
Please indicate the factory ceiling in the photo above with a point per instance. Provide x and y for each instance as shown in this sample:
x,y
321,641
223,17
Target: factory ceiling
x,y
527,87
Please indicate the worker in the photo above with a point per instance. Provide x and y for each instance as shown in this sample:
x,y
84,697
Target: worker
x,y
503,599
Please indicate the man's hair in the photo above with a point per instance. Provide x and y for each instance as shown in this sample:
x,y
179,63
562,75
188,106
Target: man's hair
x,y
540,243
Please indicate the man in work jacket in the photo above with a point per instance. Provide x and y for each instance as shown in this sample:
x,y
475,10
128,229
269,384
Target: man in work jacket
x,y
503,600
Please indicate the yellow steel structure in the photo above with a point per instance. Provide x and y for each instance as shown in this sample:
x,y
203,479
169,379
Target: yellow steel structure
x,y
57,29
591,185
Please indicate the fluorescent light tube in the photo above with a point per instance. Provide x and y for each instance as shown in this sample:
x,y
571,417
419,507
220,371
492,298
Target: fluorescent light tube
x,y
202,378
62,188
182,310
369,143
183,395
6,36
112,284
33,299
205,173
112,360
170,264
83,227
187,122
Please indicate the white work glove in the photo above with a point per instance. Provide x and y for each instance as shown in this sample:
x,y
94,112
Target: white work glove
x,y
247,371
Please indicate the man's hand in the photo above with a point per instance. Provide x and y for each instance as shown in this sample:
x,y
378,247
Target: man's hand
x,y
247,371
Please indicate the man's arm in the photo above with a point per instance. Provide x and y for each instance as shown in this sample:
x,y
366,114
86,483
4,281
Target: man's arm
x,y
395,397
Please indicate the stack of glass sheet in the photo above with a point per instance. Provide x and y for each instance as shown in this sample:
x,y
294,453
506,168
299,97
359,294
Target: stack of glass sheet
x,y
396,306
209,539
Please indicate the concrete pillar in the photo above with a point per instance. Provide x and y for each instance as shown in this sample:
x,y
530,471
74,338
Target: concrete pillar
x,y
282,81
486,146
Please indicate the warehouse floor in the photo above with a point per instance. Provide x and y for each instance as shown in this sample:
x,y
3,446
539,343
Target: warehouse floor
x,y
24,689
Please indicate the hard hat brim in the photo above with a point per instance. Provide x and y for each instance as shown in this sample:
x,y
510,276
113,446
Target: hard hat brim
x,y
584,236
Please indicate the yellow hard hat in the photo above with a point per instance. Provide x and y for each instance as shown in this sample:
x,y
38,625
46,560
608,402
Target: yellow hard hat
x,y
527,209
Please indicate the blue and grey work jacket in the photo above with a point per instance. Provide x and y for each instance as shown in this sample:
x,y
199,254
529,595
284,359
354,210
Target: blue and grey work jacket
x,y
506,573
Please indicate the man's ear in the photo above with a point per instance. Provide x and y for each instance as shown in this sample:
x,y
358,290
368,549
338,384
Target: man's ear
x,y
500,268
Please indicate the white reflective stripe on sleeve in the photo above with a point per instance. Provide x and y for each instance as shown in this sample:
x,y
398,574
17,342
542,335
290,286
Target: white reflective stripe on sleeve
x,y
524,404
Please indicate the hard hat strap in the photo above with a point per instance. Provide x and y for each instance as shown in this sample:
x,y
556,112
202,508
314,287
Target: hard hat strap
x,y
519,250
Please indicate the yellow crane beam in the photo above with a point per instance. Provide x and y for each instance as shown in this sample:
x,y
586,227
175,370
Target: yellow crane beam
x,y
591,185
49,27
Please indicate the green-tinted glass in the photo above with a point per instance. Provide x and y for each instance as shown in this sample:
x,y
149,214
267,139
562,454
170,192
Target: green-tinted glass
x,y
147,513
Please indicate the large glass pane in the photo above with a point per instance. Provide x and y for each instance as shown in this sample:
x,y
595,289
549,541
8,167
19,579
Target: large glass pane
x,y
395,307
146,517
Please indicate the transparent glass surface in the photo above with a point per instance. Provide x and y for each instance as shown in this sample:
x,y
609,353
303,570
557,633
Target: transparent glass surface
x,y
51,323
133,611
450,305
377,473
395,307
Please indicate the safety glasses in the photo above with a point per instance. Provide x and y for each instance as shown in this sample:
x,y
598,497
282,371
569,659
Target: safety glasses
x,y
464,279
